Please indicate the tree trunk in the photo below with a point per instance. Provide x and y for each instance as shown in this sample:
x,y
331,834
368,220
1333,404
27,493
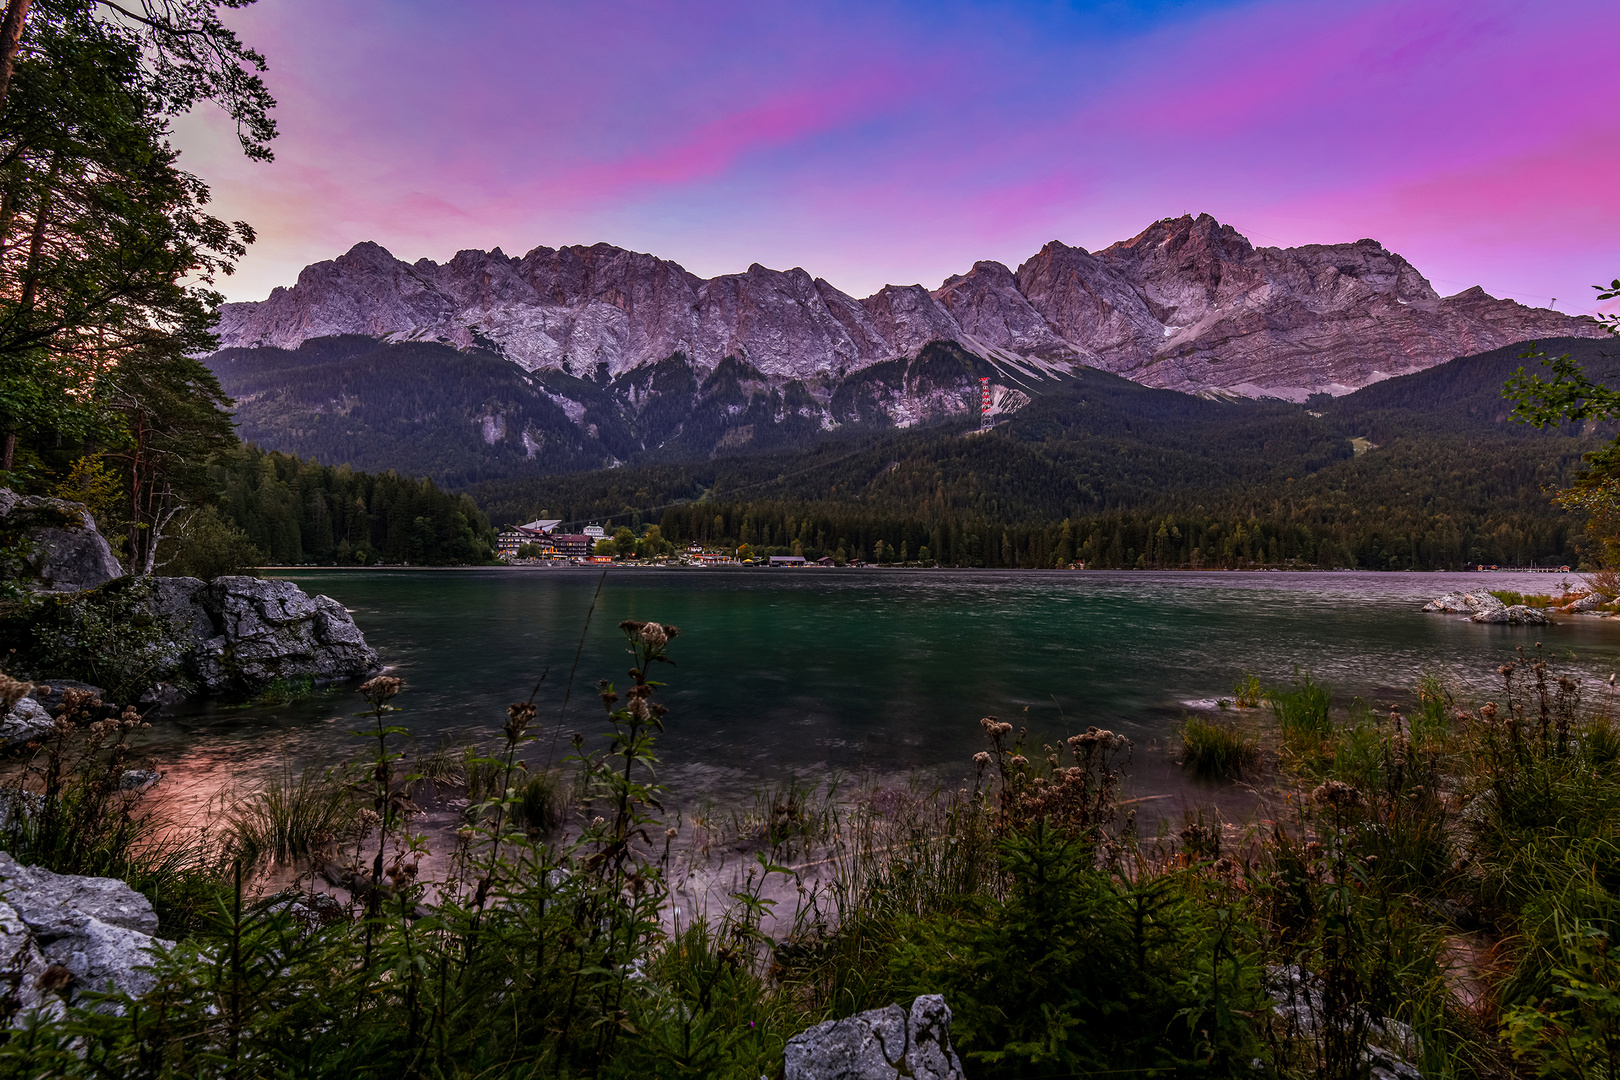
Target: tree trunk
x,y
137,479
36,242
10,37
9,452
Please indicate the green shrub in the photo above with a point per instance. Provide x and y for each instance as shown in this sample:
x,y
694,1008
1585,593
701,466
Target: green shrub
x,y
209,548
106,636
1247,693
1079,971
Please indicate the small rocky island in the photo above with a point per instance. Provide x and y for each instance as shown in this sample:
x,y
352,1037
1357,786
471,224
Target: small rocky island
x,y
78,617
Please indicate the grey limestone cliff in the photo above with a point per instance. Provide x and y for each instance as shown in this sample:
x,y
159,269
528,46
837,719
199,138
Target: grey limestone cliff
x,y
1188,304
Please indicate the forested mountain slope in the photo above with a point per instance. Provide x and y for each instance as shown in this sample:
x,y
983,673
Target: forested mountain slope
x,y
1446,476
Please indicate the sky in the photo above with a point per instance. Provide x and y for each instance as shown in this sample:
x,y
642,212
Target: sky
x,y
878,142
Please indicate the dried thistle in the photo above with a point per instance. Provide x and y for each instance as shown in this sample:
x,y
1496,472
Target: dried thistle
x,y
379,689
13,691
518,717
1337,794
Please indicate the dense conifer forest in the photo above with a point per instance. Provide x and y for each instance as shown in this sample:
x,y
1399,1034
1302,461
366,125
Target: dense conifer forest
x,y
303,512
1427,471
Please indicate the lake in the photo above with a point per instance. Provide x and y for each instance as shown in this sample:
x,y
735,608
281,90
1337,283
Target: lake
x,y
807,672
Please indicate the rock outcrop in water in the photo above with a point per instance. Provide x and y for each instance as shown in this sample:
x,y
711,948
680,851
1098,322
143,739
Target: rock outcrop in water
x,y
234,635
238,634
1481,607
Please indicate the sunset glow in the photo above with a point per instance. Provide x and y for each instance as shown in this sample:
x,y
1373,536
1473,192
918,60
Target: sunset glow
x,y
899,142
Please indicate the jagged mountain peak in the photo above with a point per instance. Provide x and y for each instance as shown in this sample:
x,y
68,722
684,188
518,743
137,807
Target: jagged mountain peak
x,y
1188,303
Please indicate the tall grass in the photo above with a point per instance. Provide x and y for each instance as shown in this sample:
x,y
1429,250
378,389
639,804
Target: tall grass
x,y
1303,710
1218,748
291,817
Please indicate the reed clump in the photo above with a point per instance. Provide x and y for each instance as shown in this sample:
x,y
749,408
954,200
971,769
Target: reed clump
x,y
291,817
1217,748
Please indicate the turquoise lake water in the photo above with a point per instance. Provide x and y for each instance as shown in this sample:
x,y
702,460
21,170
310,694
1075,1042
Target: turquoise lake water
x,y
811,671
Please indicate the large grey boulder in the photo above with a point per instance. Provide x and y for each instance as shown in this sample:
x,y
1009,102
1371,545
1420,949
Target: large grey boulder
x,y
1514,615
881,1044
62,549
62,935
1450,602
268,630
1590,602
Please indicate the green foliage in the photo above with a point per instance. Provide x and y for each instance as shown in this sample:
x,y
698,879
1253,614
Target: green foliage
x,y
301,512
1302,710
208,547
109,249
1079,970
1575,1029
105,636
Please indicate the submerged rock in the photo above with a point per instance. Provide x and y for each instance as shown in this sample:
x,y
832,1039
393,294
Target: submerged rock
x,y
881,1044
68,935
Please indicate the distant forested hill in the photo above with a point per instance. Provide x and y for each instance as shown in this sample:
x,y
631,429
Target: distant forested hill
x,y
302,512
1135,476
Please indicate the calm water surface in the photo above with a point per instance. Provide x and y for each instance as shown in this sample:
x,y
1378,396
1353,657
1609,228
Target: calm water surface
x,y
809,671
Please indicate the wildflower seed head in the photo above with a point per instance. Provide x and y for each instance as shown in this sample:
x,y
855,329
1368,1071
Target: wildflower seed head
x,y
981,759
518,716
654,636
379,689
1337,794
13,691
671,833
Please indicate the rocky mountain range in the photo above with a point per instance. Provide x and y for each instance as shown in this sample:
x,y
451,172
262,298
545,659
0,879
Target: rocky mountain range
x,y
631,352
1188,304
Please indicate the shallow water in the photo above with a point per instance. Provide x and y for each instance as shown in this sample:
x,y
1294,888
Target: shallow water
x,y
812,671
